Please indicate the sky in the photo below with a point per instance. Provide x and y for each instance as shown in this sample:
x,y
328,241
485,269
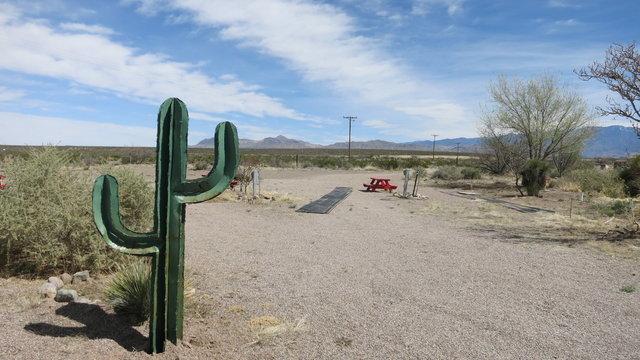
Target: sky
x,y
95,72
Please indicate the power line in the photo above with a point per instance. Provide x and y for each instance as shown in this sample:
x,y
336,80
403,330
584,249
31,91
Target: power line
x,y
433,152
350,119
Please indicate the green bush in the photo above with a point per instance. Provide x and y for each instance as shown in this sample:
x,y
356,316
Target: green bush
x,y
615,207
456,173
534,176
631,177
201,165
592,181
470,173
447,173
46,223
129,290
136,199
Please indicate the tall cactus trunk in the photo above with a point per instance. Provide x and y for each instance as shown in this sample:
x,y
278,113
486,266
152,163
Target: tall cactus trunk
x,y
165,243
171,167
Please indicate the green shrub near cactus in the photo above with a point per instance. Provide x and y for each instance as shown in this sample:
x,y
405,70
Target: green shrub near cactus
x,y
128,292
534,176
46,225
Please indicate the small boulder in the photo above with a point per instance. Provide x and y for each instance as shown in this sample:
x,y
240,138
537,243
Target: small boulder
x,y
81,276
56,281
48,290
66,278
66,295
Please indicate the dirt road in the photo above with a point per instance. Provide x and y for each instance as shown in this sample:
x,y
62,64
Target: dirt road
x,y
380,278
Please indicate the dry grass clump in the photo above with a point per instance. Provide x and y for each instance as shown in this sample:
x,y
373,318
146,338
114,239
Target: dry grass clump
x,y
283,198
266,328
265,197
46,223
128,292
129,289
554,226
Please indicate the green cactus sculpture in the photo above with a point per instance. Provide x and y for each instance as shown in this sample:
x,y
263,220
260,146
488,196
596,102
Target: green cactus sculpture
x,y
165,243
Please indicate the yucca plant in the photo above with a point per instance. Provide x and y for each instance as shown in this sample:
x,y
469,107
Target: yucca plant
x,y
128,291
534,176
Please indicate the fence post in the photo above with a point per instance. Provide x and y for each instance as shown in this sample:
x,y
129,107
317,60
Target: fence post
x,y
255,181
407,175
415,184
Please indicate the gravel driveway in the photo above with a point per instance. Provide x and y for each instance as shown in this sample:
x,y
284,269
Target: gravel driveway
x,y
377,278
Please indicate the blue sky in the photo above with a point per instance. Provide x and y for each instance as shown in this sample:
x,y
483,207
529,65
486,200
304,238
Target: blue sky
x,y
95,72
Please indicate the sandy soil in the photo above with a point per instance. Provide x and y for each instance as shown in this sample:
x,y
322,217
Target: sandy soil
x,y
378,278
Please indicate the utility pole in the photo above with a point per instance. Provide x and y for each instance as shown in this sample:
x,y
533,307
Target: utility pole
x,y
350,119
457,152
433,152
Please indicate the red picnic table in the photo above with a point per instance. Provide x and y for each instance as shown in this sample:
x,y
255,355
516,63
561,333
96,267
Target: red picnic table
x,y
380,183
2,184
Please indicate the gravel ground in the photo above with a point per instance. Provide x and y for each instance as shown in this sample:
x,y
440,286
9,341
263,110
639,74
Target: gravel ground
x,y
377,278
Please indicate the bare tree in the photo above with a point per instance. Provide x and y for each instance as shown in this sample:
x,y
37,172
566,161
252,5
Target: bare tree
x,y
565,160
534,120
620,71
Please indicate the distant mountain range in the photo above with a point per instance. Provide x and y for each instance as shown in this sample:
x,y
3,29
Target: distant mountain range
x,y
608,141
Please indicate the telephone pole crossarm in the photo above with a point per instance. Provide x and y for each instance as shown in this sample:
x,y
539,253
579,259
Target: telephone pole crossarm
x,y
350,119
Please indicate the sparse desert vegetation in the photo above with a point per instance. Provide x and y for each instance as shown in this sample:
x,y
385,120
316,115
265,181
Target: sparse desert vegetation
x,y
249,300
426,179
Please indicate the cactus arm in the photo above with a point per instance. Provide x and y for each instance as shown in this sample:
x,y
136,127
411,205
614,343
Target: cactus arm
x,y
227,157
106,214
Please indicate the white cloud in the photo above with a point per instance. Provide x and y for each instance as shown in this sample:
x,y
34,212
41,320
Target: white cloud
x,y
564,3
86,28
7,95
377,124
205,117
145,7
60,131
562,26
32,47
442,112
320,42
423,7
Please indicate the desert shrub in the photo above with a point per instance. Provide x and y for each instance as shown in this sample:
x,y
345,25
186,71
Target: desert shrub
x,y
590,180
494,160
631,177
244,176
129,290
470,173
46,223
200,165
136,199
456,173
447,173
614,207
534,176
